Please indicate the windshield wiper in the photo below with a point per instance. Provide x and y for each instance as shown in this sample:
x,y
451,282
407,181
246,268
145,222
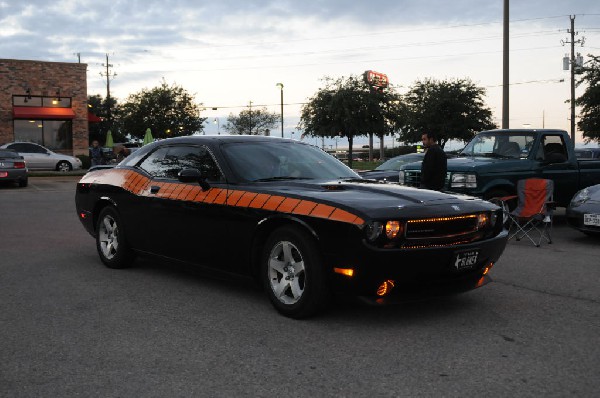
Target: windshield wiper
x,y
280,178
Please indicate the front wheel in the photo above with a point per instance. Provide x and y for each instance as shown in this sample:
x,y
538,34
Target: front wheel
x,y
293,273
110,240
64,166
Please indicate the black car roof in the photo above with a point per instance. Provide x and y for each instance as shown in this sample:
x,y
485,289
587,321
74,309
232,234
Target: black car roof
x,y
225,138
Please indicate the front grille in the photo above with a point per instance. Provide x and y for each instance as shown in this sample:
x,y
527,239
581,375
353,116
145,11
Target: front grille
x,y
441,227
412,178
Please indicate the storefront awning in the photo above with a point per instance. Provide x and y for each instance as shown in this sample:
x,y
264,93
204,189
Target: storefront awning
x,y
42,112
93,118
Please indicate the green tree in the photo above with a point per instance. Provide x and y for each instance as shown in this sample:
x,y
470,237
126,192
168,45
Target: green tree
x,y
168,110
348,107
589,122
251,121
453,109
99,106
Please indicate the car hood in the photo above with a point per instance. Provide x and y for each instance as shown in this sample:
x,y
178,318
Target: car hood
x,y
381,200
478,163
379,174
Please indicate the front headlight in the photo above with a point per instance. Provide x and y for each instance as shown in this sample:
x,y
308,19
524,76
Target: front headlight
x,y
401,177
580,197
463,180
384,232
373,231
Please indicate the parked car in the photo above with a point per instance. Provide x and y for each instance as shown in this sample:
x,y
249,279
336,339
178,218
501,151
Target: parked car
x,y
388,170
131,146
587,153
291,216
12,167
39,158
494,161
583,212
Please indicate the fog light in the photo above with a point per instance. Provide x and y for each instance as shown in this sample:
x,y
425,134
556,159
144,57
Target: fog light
x,y
385,288
487,268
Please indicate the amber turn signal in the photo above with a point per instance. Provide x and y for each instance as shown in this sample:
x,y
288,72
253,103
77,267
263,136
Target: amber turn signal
x,y
344,271
487,268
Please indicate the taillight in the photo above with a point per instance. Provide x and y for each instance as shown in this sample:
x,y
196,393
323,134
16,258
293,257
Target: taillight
x,y
19,165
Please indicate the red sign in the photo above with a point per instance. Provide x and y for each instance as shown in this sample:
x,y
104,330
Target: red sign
x,y
376,79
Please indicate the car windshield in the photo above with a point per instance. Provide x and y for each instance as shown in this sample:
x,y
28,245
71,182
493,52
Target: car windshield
x,y
395,163
516,145
282,160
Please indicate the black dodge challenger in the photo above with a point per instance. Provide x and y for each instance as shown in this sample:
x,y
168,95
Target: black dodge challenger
x,y
291,216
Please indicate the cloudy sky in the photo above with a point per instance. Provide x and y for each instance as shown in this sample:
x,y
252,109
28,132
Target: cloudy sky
x,y
230,52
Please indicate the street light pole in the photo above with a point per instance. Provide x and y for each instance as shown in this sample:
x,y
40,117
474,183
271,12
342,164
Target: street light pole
x,y
280,85
216,121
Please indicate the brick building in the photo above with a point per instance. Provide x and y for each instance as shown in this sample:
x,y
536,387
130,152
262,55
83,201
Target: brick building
x,y
45,103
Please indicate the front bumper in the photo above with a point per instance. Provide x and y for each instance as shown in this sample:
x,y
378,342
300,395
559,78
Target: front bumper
x,y
575,217
417,273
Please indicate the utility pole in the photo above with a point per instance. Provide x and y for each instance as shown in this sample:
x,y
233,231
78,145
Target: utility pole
x,y
109,75
573,65
250,117
505,69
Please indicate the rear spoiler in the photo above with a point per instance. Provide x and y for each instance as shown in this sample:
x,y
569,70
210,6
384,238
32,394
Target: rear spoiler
x,y
101,167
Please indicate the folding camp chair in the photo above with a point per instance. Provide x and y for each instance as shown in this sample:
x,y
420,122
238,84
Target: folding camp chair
x,y
533,214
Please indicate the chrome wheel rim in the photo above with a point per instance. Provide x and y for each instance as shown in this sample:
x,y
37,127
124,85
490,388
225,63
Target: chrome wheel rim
x,y
63,167
286,273
108,235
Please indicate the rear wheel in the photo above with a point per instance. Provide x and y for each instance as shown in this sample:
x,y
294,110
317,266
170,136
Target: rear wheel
x,y
293,273
23,183
64,166
110,240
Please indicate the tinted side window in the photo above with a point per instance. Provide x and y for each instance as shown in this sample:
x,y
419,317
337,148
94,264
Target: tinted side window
x,y
22,148
28,148
167,162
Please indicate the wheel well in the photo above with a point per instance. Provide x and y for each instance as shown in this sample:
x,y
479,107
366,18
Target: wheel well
x,y
499,190
265,229
101,204
63,161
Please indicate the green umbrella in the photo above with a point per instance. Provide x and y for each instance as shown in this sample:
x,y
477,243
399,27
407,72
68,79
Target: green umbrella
x,y
148,137
109,140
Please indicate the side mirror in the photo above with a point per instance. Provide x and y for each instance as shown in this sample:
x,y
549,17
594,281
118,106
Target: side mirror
x,y
193,175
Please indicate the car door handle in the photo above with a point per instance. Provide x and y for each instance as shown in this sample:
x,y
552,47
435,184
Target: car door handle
x,y
154,189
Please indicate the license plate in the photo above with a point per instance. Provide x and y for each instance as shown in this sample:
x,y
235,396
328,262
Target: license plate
x,y
466,259
591,219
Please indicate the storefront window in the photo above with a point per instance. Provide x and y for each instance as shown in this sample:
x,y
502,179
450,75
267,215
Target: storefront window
x,y
23,100
56,135
56,102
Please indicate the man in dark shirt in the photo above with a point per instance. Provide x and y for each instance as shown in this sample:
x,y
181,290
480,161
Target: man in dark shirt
x,y
434,165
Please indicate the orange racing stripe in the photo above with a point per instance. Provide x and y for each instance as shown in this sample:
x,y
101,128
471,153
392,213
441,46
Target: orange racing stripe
x,y
139,184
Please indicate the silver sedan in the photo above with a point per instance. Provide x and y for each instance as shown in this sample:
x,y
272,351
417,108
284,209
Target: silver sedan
x,y
39,158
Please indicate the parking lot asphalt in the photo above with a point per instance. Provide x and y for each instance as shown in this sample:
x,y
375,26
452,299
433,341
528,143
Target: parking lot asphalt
x,y
71,327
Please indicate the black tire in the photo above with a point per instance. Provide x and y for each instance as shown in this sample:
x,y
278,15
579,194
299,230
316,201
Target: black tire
x,y
23,183
64,166
110,240
293,274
